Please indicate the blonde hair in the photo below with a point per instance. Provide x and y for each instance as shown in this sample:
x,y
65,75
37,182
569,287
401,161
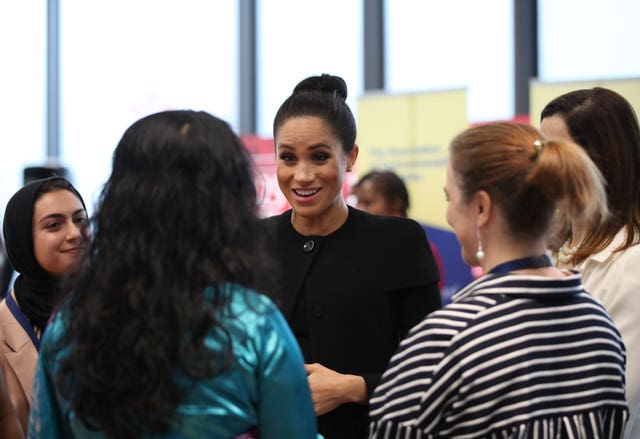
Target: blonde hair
x,y
528,177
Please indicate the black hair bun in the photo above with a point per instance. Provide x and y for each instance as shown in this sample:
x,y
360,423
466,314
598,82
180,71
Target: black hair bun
x,y
324,83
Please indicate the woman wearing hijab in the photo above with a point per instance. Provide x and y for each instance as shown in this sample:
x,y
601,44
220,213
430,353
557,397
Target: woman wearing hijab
x,y
45,228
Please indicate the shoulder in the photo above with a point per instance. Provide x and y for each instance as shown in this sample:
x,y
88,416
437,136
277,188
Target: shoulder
x,y
628,258
248,309
247,300
610,254
277,220
385,228
5,314
453,319
377,221
278,229
253,318
53,335
56,327
610,269
12,335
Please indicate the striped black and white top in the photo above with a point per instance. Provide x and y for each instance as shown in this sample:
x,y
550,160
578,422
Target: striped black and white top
x,y
513,356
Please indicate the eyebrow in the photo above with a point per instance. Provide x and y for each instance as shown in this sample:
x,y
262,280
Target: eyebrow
x,y
312,147
59,215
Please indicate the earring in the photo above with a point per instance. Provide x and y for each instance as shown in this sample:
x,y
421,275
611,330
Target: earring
x,y
479,252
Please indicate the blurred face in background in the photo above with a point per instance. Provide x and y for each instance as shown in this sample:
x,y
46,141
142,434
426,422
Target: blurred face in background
x,y
371,200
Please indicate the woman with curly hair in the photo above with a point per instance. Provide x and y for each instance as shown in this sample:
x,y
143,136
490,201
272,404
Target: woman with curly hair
x,y
164,333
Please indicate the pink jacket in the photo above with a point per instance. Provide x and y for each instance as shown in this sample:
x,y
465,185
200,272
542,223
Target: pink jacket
x,y
19,357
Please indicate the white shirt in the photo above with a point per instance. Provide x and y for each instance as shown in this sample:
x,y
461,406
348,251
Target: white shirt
x,y
614,279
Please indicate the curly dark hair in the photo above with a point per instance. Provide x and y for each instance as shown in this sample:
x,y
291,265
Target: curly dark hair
x,y
178,215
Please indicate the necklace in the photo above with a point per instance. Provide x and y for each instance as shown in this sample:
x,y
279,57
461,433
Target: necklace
x,y
565,253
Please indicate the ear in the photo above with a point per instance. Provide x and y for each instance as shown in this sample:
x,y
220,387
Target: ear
x,y
483,205
395,208
351,158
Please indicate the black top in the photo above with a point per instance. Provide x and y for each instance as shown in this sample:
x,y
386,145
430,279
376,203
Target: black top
x,y
352,295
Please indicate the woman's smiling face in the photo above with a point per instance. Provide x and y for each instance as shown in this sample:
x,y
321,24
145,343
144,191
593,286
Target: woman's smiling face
x,y
311,166
60,231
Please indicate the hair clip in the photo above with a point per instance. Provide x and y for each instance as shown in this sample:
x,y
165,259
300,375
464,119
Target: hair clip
x,y
537,144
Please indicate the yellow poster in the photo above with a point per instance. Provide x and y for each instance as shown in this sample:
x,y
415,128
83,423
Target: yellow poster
x,y
410,134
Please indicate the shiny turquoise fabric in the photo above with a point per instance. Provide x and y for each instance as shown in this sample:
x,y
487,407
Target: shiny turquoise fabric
x,y
266,386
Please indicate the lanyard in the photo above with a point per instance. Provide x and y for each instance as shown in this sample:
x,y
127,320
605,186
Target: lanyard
x,y
23,320
522,264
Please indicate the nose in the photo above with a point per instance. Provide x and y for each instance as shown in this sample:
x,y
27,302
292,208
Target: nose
x,y
304,173
74,232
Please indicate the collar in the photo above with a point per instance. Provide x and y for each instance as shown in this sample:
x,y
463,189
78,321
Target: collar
x,y
523,286
605,253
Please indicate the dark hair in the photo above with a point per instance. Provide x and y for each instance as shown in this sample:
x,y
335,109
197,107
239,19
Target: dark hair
x,y
390,186
324,97
525,176
54,184
606,126
176,219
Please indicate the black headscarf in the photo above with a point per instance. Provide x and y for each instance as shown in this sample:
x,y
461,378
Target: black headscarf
x,y
35,289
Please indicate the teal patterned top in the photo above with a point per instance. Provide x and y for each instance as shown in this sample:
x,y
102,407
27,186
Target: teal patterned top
x,y
265,387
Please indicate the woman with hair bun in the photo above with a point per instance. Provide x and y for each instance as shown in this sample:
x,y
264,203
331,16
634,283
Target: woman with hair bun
x,y
524,351
353,283
165,333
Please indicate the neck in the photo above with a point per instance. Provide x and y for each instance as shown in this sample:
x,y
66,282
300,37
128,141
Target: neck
x,y
578,232
500,252
321,225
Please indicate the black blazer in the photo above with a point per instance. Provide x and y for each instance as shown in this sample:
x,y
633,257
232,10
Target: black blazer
x,y
351,296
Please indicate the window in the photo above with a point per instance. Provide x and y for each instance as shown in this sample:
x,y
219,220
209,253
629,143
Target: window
x,y
122,60
435,45
300,38
22,91
588,39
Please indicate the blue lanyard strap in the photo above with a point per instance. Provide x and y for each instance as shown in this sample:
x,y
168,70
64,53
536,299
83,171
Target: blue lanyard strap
x,y
23,320
529,262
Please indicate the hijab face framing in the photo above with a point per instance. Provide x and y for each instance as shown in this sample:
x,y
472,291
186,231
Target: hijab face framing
x,y
35,289
60,230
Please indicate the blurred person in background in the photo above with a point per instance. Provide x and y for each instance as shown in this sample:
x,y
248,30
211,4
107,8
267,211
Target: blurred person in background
x,y
384,193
